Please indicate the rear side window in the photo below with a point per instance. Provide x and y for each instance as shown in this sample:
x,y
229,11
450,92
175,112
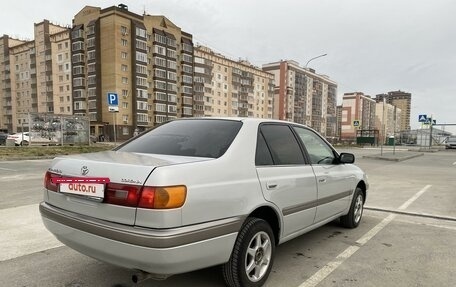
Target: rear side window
x,y
198,138
283,145
262,156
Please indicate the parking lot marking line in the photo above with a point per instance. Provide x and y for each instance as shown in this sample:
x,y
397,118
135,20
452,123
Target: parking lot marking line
x,y
24,232
415,197
8,169
321,274
454,163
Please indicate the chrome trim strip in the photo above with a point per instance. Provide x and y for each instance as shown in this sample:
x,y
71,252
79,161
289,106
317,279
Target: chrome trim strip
x,y
152,238
315,203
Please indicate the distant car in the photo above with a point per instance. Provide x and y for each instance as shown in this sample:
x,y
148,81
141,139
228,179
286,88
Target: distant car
x,y
198,192
20,138
450,142
24,139
3,138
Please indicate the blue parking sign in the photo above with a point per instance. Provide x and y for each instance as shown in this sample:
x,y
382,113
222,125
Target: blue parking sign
x,y
113,99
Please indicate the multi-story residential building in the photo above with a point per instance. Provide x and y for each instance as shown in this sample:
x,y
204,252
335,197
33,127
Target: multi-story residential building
x,y
388,119
147,60
359,108
224,87
35,75
303,96
401,100
338,121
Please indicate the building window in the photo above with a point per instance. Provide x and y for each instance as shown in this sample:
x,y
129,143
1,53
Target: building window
x,y
187,111
90,55
171,42
172,65
90,42
187,90
160,62
123,30
78,46
141,57
189,69
171,53
160,50
160,119
160,107
160,85
123,55
143,118
140,93
187,47
124,80
124,42
172,76
142,45
187,58
187,79
140,32
160,38
160,73
160,96
140,69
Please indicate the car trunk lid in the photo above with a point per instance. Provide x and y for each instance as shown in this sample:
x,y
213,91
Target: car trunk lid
x,y
125,171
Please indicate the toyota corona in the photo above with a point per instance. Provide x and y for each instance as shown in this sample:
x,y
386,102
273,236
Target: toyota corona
x,y
200,192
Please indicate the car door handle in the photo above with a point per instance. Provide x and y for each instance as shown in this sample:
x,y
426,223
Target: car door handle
x,y
271,185
322,180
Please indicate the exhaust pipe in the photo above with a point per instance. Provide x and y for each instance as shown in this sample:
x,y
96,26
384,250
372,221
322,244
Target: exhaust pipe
x,y
141,276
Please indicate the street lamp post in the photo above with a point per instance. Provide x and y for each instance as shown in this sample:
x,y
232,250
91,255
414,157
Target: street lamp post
x,y
322,55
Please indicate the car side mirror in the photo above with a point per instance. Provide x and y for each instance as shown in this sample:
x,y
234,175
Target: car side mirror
x,y
346,158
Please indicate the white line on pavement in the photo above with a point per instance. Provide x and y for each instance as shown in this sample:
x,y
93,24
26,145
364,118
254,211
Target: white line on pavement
x,y
8,169
454,163
23,233
319,276
21,177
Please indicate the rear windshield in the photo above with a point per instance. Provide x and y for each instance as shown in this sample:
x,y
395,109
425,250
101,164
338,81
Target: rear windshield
x,y
198,138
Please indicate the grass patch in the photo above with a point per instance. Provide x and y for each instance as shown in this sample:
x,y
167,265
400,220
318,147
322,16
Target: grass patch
x,y
25,152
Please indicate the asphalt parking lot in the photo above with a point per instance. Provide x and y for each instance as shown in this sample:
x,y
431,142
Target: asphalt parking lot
x,y
406,237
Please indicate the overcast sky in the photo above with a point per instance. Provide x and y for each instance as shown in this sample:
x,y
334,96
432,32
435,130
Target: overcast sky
x,y
373,46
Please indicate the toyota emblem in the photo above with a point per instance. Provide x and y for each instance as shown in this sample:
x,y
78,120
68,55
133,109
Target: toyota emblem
x,y
84,170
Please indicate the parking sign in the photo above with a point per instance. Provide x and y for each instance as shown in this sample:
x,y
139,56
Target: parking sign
x,y
113,102
113,99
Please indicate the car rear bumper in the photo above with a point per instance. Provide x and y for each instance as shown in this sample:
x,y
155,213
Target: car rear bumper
x,y
158,251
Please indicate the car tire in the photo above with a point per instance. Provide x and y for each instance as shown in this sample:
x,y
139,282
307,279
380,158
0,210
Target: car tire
x,y
252,257
353,218
24,143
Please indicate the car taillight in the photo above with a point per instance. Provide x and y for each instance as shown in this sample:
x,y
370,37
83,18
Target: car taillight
x,y
48,184
163,197
146,197
122,194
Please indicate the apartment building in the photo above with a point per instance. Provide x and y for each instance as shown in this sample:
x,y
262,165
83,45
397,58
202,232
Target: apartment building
x,y
147,60
224,87
401,100
34,75
303,96
358,113
388,119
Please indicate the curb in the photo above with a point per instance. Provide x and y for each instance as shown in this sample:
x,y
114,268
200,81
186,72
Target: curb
x,y
426,215
397,159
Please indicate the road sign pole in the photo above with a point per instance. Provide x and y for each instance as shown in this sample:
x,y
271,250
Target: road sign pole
x,y
114,126
430,134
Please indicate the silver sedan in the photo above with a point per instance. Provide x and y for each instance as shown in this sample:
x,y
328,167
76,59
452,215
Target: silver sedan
x,y
194,193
